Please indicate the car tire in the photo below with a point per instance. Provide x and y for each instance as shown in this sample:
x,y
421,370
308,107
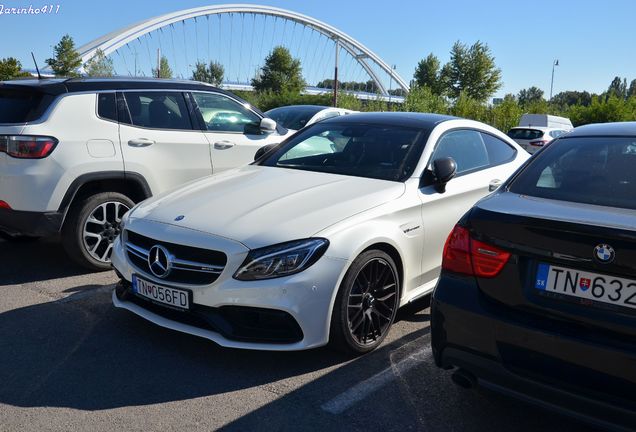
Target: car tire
x,y
91,226
366,303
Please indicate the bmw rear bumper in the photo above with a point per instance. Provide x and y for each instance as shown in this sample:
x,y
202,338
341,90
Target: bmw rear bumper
x,y
531,361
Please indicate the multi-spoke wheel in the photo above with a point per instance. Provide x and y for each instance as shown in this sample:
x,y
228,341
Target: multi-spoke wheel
x,y
366,304
91,228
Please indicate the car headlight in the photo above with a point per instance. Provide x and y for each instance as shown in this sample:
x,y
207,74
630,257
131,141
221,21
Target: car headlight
x,y
280,260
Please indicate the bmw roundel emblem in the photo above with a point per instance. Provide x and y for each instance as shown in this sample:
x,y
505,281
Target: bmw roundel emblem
x,y
179,218
604,253
159,261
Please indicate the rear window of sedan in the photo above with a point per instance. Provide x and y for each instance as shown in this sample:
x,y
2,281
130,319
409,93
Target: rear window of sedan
x,y
590,170
525,134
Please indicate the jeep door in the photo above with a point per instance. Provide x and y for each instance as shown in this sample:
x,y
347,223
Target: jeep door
x,y
232,129
160,139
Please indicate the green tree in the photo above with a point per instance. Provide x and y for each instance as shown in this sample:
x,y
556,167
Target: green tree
x,y
427,73
468,107
506,114
211,73
631,92
349,101
471,70
530,95
99,65
281,73
164,70
67,60
422,99
11,68
618,88
567,98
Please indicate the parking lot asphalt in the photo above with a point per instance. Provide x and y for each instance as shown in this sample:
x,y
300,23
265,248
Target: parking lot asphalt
x,y
70,361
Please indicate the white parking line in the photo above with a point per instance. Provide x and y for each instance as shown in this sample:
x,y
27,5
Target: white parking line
x,y
361,390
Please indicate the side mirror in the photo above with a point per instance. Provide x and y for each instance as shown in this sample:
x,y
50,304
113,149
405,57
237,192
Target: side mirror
x,y
444,170
268,126
265,149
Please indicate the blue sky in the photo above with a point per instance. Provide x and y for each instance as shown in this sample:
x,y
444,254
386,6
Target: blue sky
x,y
593,40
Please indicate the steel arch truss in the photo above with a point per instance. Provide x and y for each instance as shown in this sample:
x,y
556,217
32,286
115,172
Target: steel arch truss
x,y
109,43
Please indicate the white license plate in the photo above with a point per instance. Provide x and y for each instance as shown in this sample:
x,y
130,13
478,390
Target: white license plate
x,y
160,294
586,285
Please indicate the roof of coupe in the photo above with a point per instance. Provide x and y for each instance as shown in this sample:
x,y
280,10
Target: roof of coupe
x,y
415,120
604,129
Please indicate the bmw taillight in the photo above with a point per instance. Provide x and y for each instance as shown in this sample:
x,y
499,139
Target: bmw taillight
x,y
465,255
27,146
4,205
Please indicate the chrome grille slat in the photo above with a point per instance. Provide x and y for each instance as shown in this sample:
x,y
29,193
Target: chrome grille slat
x,y
136,250
182,270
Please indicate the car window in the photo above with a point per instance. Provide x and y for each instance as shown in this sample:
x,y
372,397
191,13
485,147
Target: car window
x,y
106,107
20,106
363,150
158,110
466,147
592,170
222,114
330,114
293,117
556,133
525,134
498,150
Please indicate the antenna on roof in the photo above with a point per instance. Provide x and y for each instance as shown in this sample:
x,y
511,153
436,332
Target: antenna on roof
x,y
36,66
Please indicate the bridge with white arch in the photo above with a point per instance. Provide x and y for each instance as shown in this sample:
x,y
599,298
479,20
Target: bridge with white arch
x,y
239,36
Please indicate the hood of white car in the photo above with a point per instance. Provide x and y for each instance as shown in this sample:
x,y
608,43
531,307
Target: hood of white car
x,y
259,206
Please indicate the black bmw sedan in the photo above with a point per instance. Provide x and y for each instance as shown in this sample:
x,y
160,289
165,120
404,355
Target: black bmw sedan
x,y
537,296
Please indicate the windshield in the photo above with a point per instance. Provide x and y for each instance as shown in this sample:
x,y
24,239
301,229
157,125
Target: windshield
x,y
363,150
593,170
294,117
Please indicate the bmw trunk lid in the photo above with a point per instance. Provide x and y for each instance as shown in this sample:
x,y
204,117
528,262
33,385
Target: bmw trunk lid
x,y
587,248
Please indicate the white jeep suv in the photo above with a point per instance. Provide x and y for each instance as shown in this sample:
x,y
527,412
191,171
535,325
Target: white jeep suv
x,y
76,154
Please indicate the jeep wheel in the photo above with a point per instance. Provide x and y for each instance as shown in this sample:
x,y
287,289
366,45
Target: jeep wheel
x,y
91,228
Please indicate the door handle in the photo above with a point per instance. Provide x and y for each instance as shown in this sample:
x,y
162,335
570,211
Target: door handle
x,y
494,185
140,142
223,145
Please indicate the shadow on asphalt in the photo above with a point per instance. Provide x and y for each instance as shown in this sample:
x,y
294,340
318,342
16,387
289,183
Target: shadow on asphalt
x,y
87,355
33,261
82,353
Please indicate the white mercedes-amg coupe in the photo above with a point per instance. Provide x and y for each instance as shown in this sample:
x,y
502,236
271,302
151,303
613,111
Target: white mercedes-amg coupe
x,y
320,240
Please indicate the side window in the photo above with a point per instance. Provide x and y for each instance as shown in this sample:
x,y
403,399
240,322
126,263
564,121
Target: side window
x,y
556,133
158,110
466,147
222,114
330,114
498,150
106,107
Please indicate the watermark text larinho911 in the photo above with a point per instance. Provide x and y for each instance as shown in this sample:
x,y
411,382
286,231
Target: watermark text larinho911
x,y
30,10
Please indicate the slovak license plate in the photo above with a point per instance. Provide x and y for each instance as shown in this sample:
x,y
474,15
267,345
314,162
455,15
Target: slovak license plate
x,y
587,286
174,297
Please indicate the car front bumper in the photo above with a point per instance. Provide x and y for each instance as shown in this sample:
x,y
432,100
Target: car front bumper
x,y
303,301
519,355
